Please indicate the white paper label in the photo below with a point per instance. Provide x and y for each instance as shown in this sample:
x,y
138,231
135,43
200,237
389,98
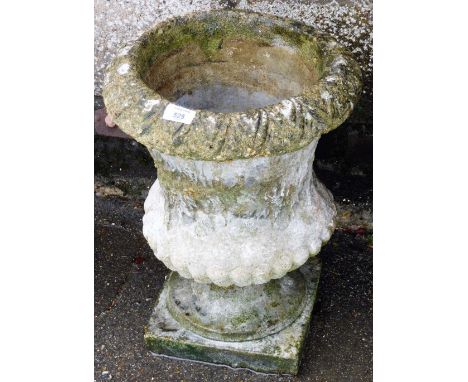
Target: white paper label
x,y
177,113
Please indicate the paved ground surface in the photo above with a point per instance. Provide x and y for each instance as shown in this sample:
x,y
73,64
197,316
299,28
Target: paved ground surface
x,y
128,278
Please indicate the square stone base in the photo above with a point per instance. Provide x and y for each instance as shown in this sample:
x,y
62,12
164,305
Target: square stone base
x,y
277,353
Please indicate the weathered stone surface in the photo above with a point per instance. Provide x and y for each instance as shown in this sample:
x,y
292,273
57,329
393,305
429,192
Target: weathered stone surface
x,y
236,203
276,353
128,166
213,215
236,313
317,81
238,223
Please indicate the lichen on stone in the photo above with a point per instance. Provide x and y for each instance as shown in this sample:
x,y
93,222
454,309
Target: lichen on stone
x,y
155,69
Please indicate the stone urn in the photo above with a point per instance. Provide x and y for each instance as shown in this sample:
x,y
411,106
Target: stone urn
x,y
231,105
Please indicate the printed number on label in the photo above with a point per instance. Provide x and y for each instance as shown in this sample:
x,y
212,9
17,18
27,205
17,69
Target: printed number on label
x,y
177,113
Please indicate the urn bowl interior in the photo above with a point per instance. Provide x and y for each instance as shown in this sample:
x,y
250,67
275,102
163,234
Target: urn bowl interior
x,y
228,64
260,85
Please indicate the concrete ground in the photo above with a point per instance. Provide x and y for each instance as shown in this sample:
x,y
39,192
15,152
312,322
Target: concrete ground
x,y
128,278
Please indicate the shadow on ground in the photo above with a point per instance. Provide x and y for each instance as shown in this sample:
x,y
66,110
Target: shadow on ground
x,y
128,278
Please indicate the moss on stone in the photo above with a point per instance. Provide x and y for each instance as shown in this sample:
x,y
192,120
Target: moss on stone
x,y
312,115
230,197
278,353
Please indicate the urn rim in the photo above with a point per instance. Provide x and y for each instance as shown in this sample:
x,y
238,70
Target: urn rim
x,y
274,129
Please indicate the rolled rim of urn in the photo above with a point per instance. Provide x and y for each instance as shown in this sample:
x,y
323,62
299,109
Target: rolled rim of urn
x,y
297,83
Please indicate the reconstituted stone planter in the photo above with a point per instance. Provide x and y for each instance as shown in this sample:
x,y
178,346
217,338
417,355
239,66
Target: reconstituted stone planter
x,y
236,205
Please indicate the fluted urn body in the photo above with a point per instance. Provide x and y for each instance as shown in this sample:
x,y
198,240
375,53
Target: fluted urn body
x,y
240,222
236,203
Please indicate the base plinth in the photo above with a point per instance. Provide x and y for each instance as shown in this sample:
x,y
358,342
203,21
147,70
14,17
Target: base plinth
x,y
276,353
